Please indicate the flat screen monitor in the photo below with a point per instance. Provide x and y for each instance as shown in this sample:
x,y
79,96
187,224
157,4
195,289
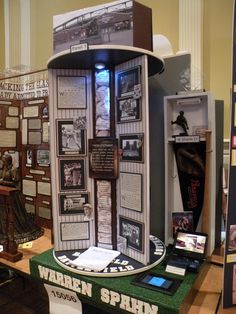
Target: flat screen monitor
x,y
191,244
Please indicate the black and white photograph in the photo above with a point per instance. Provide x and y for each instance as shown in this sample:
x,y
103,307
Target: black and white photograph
x,y
71,139
29,158
128,109
133,231
131,147
73,203
71,92
129,83
43,157
72,174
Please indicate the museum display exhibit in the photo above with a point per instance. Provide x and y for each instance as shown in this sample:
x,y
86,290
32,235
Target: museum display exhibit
x,y
113,154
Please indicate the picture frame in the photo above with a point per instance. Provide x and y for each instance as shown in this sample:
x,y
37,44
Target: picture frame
x,y
129,83
72,231
44,188
43,157
71,92
70,204
131,191
133,231
8,138
131,147
128,110
72,174
71,140
182,221
34,138
30,157
31,112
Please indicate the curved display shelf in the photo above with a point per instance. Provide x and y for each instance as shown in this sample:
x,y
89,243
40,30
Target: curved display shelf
x,y
109,55
121,266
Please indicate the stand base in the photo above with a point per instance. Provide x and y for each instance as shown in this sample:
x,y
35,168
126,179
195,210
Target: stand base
x,y
11,257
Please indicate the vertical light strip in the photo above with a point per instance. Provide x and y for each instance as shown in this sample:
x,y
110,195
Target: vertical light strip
x,y
7,33
191,37
25,32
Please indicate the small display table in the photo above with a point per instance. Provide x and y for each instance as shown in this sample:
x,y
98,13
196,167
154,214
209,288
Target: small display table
x,y
9,252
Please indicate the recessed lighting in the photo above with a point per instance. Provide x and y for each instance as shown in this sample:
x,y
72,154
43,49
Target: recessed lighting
x,y
99,66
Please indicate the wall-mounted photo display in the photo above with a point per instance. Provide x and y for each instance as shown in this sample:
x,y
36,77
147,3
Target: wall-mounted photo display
x,y
44,188
128,110
74,231
72,174
43,157
131,146
45,113
34,138
131,191
12,123
46,132
29,187
73,203
31,112
34,124
133,231
13,111
8,138
71,140
71,92
30,158
129,83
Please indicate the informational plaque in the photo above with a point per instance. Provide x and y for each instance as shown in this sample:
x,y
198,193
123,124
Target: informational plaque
x,y
103,162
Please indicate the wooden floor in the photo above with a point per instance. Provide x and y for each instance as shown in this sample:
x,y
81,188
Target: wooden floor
x,y
14,295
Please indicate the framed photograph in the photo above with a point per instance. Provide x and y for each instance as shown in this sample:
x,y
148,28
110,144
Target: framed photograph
x,y
73,203
31,112
131,146
72,174
44,188
129,83
71,231
133,231
71,92
71,140
8,138
43,157
30,158
131,191
34,138
128,109
182,221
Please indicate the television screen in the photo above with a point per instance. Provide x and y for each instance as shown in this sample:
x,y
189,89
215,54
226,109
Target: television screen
x,y
191,243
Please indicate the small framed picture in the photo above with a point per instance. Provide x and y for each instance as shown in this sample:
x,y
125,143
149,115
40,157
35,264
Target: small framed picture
x,y
71,92
30,158
128,83
71,139
43,157
72,174
131,146
131,191
133,231
128,109
73,203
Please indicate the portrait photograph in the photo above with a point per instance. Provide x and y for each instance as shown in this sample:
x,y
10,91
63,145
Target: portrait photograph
x,y
71,139
72,174
131,147
73,203
133,231
128,83
128,109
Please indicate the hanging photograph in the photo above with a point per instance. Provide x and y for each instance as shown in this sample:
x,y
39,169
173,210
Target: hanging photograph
x,y
133,231
30,158
72,174
71,140
71,92
43,157
131,191
128,83
73,203
128,109
131,146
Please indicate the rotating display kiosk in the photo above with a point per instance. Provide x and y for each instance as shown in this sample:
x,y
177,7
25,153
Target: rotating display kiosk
x,y
99,121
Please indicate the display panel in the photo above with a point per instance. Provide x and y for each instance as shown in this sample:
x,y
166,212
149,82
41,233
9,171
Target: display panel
x,y
193,245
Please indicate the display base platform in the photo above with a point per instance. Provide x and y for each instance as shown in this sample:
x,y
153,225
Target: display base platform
x,y
113,294
121,266
11,257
